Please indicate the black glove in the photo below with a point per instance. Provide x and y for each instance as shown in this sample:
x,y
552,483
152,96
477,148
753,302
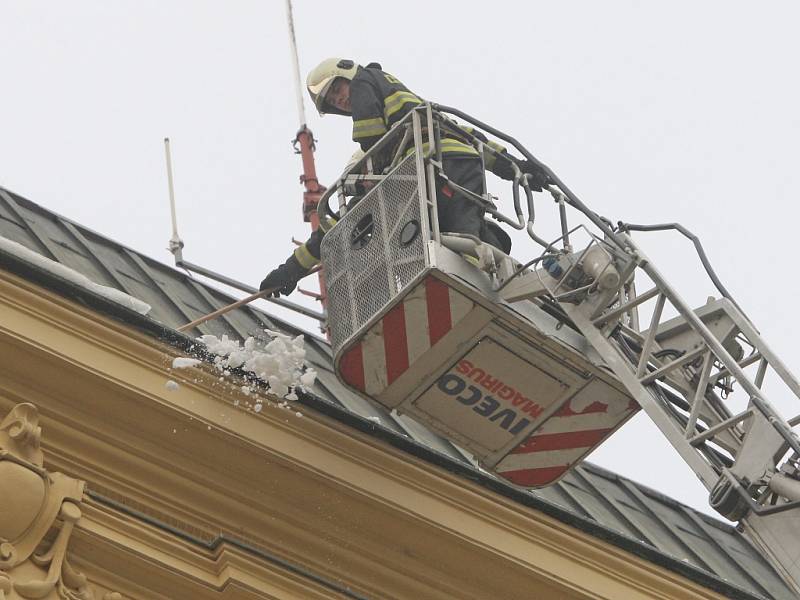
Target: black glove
x,y
505,170
538,178
284,278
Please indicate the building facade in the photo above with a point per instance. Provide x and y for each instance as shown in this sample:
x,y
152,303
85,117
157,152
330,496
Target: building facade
x,y
122,477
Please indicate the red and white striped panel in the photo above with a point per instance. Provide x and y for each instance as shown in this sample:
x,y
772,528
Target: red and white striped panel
x,y
402,336
561,442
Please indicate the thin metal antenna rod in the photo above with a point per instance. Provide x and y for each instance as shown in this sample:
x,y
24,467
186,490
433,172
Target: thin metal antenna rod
x,y
301,112
176,247
175,242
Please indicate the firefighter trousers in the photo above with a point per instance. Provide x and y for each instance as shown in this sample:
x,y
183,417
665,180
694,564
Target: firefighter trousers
x,y
458,214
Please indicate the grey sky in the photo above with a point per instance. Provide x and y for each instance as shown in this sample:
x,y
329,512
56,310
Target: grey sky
x,y
651,112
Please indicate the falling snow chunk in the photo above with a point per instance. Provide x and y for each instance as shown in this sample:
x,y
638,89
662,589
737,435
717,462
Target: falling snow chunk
x,y
308,378
280,362
64,272
182,362
298,414
171,385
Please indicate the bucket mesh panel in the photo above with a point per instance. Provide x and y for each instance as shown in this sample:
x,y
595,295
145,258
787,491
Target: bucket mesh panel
x,y
363,280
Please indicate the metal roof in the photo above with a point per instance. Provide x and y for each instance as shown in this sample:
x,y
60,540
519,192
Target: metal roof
x,y
594,499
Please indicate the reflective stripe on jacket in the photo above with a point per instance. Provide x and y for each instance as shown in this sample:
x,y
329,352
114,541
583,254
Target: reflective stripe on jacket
x,y
489,158
308,254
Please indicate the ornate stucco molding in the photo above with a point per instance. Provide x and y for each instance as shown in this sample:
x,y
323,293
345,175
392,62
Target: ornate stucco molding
x,y
32,503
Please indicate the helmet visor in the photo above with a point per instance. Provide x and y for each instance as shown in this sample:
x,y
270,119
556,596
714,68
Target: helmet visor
x,y
318,91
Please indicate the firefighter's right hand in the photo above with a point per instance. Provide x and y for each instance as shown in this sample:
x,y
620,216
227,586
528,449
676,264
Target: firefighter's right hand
x,y
284,279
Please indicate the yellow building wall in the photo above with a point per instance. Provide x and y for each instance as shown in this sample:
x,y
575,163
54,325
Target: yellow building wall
x,y
186,495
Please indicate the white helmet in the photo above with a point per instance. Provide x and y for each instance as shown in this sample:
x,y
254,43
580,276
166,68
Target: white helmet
x,y
321,77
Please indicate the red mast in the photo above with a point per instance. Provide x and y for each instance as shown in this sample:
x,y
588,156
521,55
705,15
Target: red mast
x,y
304,146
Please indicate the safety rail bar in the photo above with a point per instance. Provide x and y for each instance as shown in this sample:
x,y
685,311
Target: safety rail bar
x,y
436,117
401,134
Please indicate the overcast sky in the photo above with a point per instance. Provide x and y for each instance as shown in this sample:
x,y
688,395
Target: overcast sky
x,y
651,112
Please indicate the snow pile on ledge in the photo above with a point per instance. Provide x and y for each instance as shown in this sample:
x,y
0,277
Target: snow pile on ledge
x,y
72,276
181,362
278,362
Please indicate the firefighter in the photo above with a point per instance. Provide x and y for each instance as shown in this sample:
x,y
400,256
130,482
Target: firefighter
x,y
377,100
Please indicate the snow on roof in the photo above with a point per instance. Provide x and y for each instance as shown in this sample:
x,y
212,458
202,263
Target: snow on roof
x,y
71,275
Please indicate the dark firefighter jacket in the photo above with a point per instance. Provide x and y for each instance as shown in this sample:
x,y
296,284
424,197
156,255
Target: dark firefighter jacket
x,y
308,254
378,100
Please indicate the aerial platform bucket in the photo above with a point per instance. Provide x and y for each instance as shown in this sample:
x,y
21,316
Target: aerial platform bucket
x,y
418,329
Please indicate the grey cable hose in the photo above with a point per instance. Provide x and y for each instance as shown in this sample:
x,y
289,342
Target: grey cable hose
x,y
698,246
